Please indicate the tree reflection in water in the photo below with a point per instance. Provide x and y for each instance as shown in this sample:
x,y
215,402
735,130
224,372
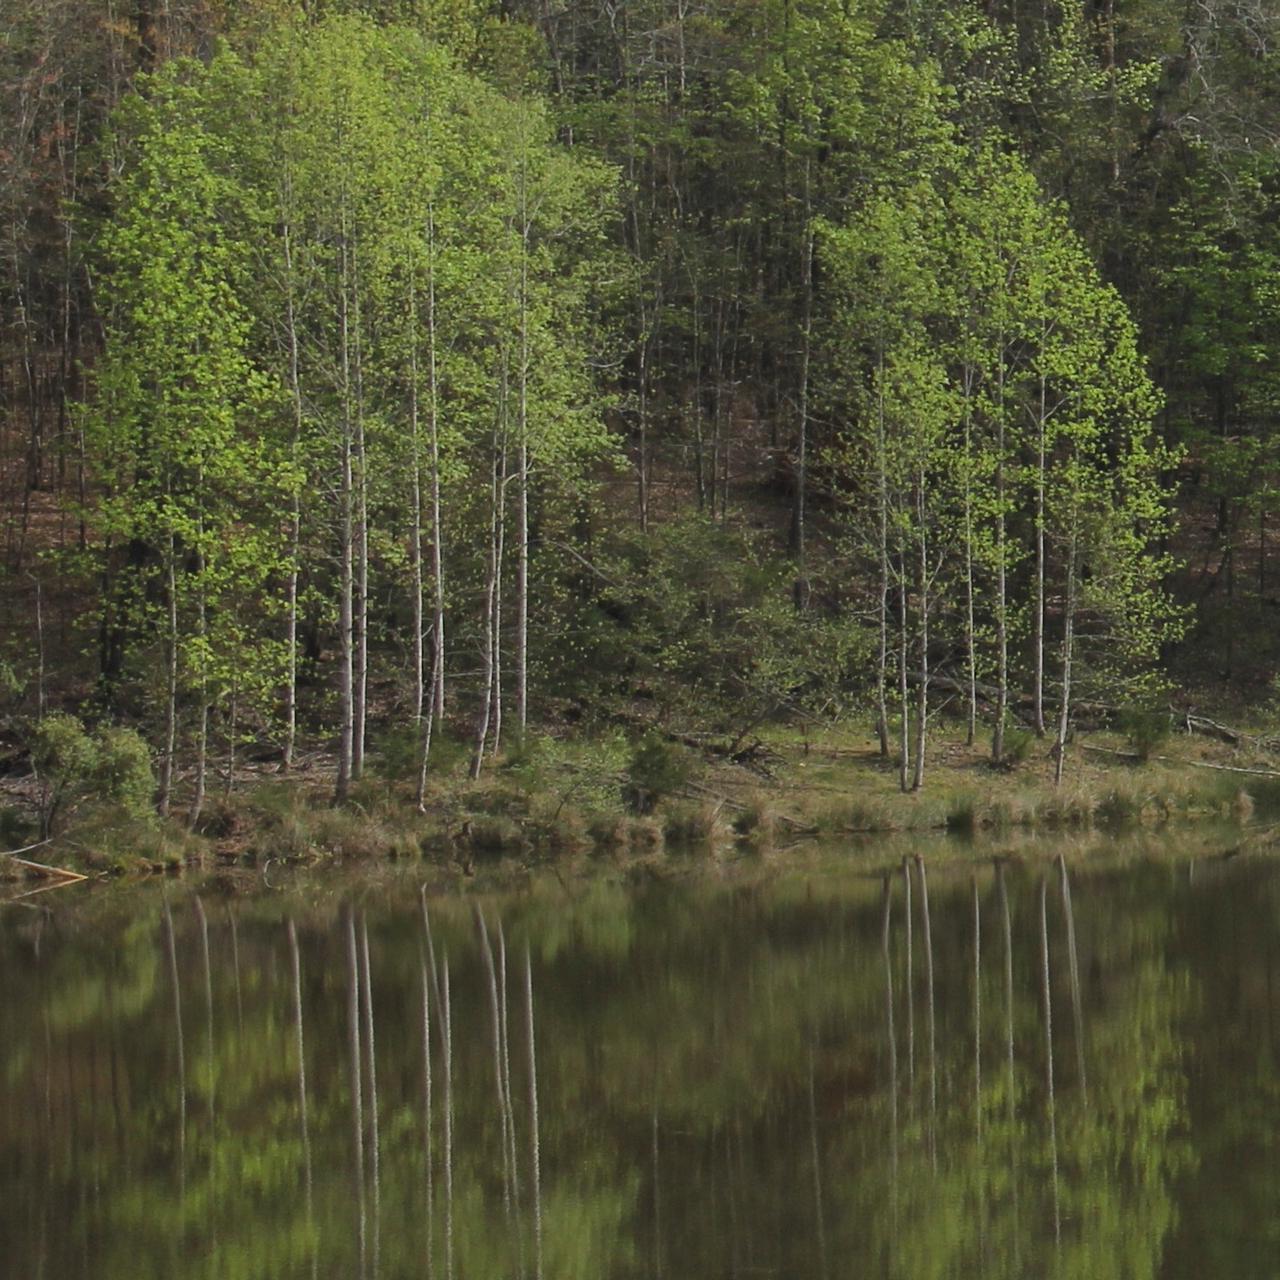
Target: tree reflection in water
x,y
720,1077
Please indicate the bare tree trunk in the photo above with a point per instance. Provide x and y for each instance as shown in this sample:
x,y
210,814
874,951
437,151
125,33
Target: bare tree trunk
x,y
1068,646
295,514
202,723
904,655
643,391
415,513
165,795
500,564
882,550
346,586
360,708
970,627
806,346
490,596
922,694
522,464
1002,590
1037,617
435,708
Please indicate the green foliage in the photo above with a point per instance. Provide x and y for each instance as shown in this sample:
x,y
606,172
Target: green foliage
x,y
114,766
1018,746
62,751
657,768
1144,729
64,757
701,619
122,772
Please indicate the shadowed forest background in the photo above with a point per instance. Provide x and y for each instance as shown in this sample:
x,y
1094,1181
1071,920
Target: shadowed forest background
x,y
409,381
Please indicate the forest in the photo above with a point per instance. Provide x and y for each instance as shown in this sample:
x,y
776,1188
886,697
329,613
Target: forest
x,y
404,384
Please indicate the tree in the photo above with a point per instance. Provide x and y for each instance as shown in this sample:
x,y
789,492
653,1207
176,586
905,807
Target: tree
x,y
173,429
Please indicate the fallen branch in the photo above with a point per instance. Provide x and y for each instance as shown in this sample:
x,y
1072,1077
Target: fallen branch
x,y
45,869
1190,764
26,848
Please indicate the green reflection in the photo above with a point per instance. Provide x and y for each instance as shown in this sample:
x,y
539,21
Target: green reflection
x,y
769,1074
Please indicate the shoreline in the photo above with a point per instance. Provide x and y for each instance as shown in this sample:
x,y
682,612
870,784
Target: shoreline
x,y
567,799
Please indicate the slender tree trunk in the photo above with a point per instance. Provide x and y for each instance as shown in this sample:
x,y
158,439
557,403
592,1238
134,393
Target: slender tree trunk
x,y
806,346
1037,617
415,511
970,627
346,511
1068,645
202,759
922,694
435,709
904,658
522,464
882,552
500,564
490,597
1002,590
360,707
202,722
643,391
295,514
164,798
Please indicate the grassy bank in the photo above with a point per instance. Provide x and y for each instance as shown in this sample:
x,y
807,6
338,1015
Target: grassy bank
x,y
552,798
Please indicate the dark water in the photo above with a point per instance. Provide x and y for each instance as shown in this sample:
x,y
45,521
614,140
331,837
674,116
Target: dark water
x,y
741,1074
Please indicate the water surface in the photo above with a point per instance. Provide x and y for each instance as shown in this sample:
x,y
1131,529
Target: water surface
x,y
853,1065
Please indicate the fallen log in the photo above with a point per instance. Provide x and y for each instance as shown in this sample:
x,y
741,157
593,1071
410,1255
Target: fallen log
x,y
1190,764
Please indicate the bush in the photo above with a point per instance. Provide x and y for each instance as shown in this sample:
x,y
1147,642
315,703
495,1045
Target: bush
x,y
657,768
1144,730
122,771
64,757
1017,747
114,767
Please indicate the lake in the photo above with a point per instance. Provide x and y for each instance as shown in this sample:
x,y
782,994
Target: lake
x,y
1034,1059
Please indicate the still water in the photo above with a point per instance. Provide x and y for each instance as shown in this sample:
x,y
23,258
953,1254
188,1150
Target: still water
x,y
847,1064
